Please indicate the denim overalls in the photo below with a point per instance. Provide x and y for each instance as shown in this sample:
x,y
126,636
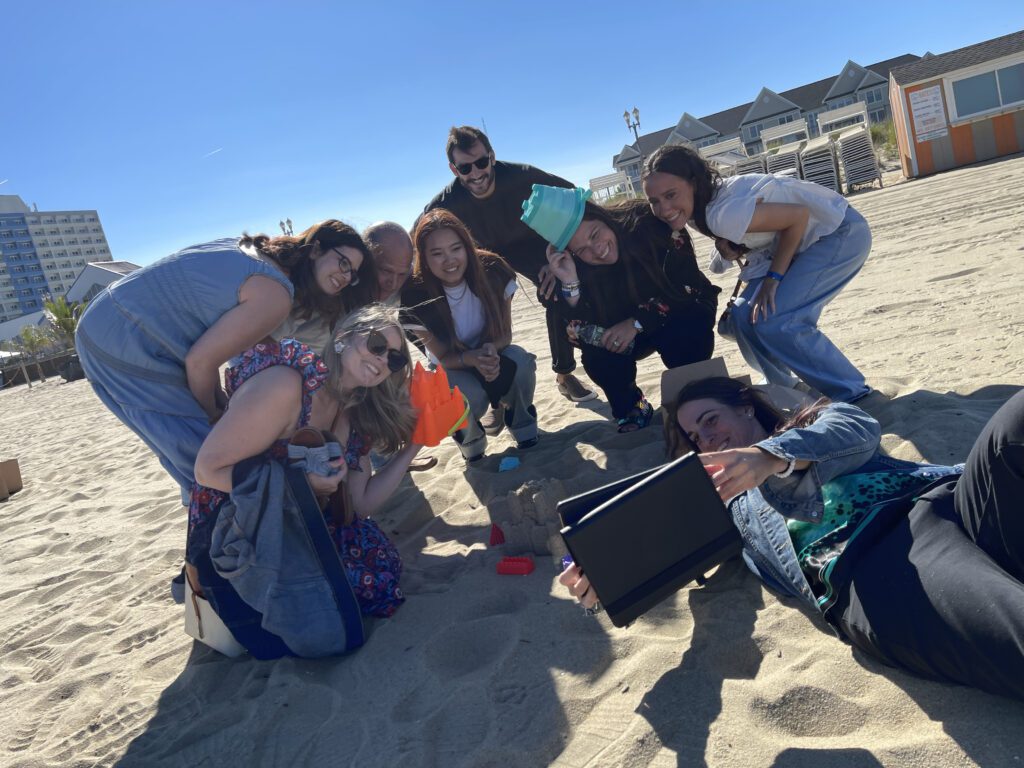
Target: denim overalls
x,y
133,338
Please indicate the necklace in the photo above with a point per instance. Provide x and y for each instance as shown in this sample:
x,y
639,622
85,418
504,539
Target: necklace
x,y
450,293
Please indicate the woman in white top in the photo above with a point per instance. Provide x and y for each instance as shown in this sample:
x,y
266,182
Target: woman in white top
x,y
803,243
462,296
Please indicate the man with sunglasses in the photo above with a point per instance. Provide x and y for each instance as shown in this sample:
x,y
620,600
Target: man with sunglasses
x,y
487,195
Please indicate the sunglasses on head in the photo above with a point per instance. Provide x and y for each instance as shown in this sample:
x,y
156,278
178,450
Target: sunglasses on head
x,y
480,163
377,344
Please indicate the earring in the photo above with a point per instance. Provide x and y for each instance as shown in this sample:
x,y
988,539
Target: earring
x,y
339,346
750,413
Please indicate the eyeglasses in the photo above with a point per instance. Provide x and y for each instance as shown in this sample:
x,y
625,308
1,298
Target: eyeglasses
x,y
480,163
377,344
346,267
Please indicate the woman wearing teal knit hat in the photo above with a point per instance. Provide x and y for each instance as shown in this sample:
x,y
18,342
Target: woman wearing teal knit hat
x,y
628,289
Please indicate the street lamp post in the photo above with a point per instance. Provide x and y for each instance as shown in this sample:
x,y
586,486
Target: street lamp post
x,y
634,126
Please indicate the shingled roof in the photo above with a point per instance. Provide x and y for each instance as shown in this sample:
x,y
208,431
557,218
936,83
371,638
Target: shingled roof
x,y
808,97
979,53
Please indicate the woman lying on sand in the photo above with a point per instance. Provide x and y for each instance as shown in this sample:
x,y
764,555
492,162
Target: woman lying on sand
x,y
630,288
920,566
360,391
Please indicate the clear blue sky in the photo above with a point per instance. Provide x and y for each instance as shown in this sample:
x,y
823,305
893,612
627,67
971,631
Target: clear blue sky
x,y
184,121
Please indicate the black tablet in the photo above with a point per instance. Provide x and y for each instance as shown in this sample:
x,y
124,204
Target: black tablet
x,y
641,538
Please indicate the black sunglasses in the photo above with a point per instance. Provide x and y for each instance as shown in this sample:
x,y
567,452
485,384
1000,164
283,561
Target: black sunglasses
x,y
480,163
377,344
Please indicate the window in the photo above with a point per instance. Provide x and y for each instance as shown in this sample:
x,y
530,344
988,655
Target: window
x,y
988,91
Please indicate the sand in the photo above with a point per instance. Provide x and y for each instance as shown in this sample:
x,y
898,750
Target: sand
x,y
478,669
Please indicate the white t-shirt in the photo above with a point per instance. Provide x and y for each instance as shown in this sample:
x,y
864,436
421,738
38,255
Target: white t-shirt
x,y
731,209
468,311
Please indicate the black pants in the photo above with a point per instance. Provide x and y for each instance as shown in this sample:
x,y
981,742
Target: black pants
x,y
687,337
563,357
941,593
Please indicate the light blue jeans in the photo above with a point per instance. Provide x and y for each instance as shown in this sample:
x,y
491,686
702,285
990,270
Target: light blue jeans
x,y
520,415
789,344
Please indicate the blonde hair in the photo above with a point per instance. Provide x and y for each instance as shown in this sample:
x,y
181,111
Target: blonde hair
x,y
383,413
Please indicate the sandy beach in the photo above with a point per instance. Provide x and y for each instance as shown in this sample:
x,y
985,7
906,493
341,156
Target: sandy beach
x,y
478,669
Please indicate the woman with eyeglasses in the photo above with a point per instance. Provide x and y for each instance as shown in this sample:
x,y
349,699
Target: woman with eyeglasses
x,y
359,390
462,298
152,343
629,289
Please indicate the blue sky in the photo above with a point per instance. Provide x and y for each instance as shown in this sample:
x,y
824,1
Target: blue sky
x,y
185,121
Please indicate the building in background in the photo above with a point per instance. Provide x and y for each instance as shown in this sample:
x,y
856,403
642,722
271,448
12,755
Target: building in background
x,y
95,277
960,107
854,84
42,253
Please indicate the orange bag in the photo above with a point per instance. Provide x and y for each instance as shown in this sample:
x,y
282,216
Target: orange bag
x,y
442,410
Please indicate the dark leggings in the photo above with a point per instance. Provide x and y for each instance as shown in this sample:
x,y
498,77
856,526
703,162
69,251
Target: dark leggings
x,y
941,592
687,337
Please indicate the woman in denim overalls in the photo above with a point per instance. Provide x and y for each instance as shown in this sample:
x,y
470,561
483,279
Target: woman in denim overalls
x,y
152,344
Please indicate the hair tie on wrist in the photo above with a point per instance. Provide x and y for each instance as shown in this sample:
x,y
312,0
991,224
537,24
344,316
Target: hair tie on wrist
x,y
788,470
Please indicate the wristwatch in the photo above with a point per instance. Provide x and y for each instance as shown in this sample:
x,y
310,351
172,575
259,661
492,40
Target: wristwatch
x,y
639,328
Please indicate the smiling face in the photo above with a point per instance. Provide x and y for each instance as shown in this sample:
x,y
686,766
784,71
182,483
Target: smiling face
x,y
594,243
335,268
671,198
715,426
479,181
364,368
446,256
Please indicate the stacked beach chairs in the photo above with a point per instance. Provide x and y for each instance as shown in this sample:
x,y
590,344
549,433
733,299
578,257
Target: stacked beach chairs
x,y
785,160
818,163
857,157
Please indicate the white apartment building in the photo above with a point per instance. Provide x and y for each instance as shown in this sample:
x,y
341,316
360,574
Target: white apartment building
x,y
42,253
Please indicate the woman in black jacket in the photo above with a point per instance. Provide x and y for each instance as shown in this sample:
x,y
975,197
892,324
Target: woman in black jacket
x,y
629,288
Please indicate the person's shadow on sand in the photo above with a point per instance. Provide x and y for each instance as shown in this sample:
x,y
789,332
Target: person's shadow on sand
x,y
941,427
686,701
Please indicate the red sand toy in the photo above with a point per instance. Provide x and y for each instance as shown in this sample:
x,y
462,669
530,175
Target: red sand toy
x,y
515,566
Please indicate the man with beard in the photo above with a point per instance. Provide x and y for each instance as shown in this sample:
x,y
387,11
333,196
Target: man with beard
x,y
487,195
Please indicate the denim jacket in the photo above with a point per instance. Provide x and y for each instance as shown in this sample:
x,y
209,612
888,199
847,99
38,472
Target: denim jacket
x,y
841,441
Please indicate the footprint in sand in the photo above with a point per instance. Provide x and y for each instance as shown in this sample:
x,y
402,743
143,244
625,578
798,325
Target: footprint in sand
x,y
500,603
138,640
810,711
463,649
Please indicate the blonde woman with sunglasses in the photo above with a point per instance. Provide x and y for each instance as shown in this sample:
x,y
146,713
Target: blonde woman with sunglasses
x,y
360,391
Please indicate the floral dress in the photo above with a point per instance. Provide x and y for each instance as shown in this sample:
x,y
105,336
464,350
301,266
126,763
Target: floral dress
x,y
372,564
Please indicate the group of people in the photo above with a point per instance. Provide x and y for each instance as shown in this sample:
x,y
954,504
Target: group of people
x,y
315,331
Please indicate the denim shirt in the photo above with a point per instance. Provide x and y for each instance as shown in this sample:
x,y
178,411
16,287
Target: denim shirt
x,y
842,440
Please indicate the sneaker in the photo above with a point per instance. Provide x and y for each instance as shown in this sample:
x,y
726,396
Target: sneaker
x,y
493,421
571,388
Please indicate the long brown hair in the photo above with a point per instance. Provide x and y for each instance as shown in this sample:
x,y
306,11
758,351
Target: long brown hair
x,y
734,394
497,317
687,164
641,238
297,255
